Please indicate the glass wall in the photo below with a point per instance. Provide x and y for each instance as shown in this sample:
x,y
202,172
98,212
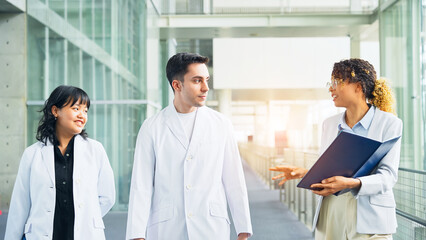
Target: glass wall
x,y
99,46
400,58
402,62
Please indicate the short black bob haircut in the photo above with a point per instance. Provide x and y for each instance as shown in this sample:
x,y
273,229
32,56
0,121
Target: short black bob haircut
x,y
177,66
60,97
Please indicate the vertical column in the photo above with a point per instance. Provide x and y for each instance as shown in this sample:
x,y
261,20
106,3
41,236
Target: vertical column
x,y
355,46
225,101
13,91
114,111
415,19
172,44
207,8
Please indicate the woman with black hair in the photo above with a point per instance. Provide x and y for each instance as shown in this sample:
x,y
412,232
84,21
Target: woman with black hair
x,y
368,210
65,184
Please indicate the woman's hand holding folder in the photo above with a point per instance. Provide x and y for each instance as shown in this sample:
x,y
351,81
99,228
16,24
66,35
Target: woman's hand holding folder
x,y
335,184
288,173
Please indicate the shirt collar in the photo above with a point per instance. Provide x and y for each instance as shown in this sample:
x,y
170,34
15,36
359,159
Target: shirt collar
x,y
365,122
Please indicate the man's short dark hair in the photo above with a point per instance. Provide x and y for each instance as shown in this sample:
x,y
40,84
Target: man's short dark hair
x,y
177,66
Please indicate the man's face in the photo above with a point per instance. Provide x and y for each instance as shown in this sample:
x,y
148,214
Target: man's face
x,y
195,85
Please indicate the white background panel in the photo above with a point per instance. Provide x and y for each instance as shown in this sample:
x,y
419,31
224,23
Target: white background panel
x,y
281,63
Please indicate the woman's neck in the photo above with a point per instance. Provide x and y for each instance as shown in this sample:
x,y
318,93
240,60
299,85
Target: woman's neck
x,y
63,139
355,113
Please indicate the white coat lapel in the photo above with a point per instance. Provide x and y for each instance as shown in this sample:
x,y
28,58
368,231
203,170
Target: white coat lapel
x,y
48,156
175,126
79,150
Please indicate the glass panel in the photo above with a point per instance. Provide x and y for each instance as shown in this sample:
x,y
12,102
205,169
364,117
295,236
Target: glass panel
x,y
56,61
73,8
87,18
99,82
34,116
99,22
36,59
58,6
423,76
107,22
73,65
400,57
399,68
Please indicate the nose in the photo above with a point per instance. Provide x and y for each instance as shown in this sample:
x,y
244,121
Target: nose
x,y
81,114
205,86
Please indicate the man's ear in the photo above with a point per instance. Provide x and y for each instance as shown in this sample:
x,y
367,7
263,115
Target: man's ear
x,y
177,85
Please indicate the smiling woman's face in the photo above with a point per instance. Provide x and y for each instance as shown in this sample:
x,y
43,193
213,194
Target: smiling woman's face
x,y
345,94
70,119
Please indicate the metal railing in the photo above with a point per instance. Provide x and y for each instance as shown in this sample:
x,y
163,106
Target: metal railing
x,y
410,190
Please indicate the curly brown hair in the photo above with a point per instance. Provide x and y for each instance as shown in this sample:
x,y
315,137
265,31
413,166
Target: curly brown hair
x,y
376,91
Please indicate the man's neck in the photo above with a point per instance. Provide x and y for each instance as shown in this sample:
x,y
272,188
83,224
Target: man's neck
x,y
183,108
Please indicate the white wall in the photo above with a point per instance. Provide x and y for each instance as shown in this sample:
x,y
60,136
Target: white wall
x,y
275,3
281,63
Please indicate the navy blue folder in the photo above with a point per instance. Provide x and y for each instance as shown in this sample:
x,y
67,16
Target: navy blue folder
x,y
349,155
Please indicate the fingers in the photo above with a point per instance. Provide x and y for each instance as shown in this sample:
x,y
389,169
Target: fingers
x,y
317,185
321,193
273,169
282,181
282,168
278,176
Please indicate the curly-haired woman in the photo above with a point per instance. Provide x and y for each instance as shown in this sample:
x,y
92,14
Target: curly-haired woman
x,y
368,210
65,184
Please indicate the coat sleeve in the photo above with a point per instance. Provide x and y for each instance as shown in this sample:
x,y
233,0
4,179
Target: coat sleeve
x,y
235,185
386,175
142,185
20,203
106,186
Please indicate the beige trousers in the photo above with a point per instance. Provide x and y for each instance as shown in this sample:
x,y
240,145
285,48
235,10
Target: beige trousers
x,y
337,220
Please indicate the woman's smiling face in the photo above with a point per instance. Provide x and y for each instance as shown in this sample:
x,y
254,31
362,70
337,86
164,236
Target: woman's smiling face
x,y
71,119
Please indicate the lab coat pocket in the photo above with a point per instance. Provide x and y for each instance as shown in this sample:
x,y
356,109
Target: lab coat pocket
x,y
383,200
219,210
161,215
27,228
98,222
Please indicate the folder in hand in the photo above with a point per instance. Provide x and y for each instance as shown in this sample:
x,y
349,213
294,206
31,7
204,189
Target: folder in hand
x,y
349,155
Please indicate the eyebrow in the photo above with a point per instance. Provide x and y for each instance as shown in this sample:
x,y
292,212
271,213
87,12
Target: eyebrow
x,y
208,77
79,105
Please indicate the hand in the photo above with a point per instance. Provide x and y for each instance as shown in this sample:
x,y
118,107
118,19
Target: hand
x,y
289,172
334,184
243,236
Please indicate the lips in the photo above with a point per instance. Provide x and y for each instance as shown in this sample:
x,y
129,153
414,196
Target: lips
x,y
79,122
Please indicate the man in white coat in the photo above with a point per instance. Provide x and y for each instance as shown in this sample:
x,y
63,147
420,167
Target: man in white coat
x,y
187,168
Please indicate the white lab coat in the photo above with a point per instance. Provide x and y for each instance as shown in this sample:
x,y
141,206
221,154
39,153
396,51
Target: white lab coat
x,y
375,200
34,195
181,189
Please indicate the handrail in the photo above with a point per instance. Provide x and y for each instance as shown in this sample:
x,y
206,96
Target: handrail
x,y
412,170
411,217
